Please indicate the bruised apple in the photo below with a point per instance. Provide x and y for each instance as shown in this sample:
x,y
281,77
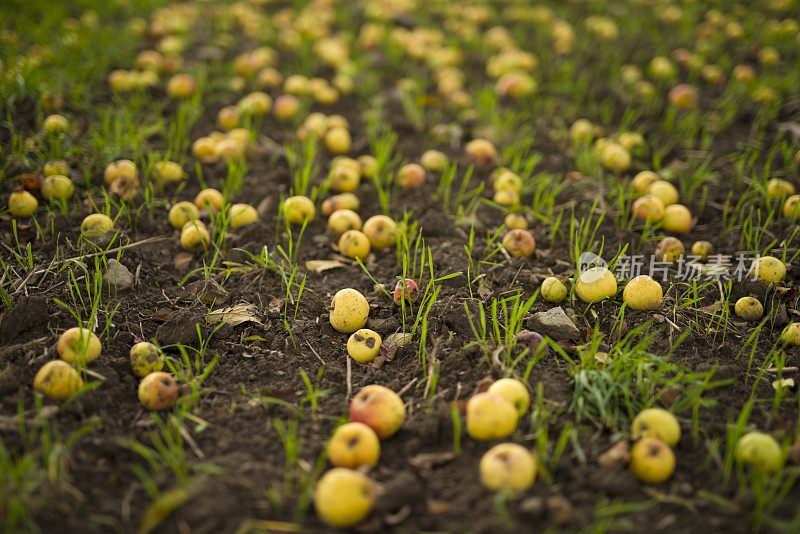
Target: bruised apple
x,y
380,408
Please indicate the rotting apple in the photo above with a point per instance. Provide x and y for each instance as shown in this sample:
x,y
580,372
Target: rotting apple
x,y
354,445
514,391
354,244
349,310
768,269
405,290
749,309
343,497
58,380
490,416
364,345
656,423
508,466
78,345
158,391
670,249
380,408
791,334
146,358
519,242
119,168
652,460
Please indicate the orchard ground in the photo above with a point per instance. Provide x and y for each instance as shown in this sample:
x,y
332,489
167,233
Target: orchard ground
x,y
244,321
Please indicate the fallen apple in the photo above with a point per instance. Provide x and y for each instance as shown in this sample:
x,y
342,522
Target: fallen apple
x,y
481,153
146,358
364,345
508,466
648,208
702,250
181,213
343,220
380,408
670,249
677,219
490,416
652,460
760,451
343,497
642,181
411,175
768,269
56,166
594,284
78,345
519,242
338,140
118,169
354,244
354,445
55,124
515,221
749,309
181,86
656,423
58,380
514,391
298,209
381,231
195,236
434,160
241,215
342,201
664,191
158,391
349,310
405,290
209,199
643,293
22,204
615,158
553,290
95,225
167,171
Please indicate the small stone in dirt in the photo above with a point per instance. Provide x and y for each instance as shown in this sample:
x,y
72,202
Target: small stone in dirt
x,y
403,489
118,275
181,328
532,507
560,510
28,313
556,324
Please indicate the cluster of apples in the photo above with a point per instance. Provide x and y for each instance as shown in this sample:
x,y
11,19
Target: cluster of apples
x,y
344,496
55,186
186,216
59,379
507,186
492,415
655,431
78,346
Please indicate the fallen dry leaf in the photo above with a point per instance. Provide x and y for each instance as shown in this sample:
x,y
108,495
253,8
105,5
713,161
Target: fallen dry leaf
x,y
234,315
323,265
